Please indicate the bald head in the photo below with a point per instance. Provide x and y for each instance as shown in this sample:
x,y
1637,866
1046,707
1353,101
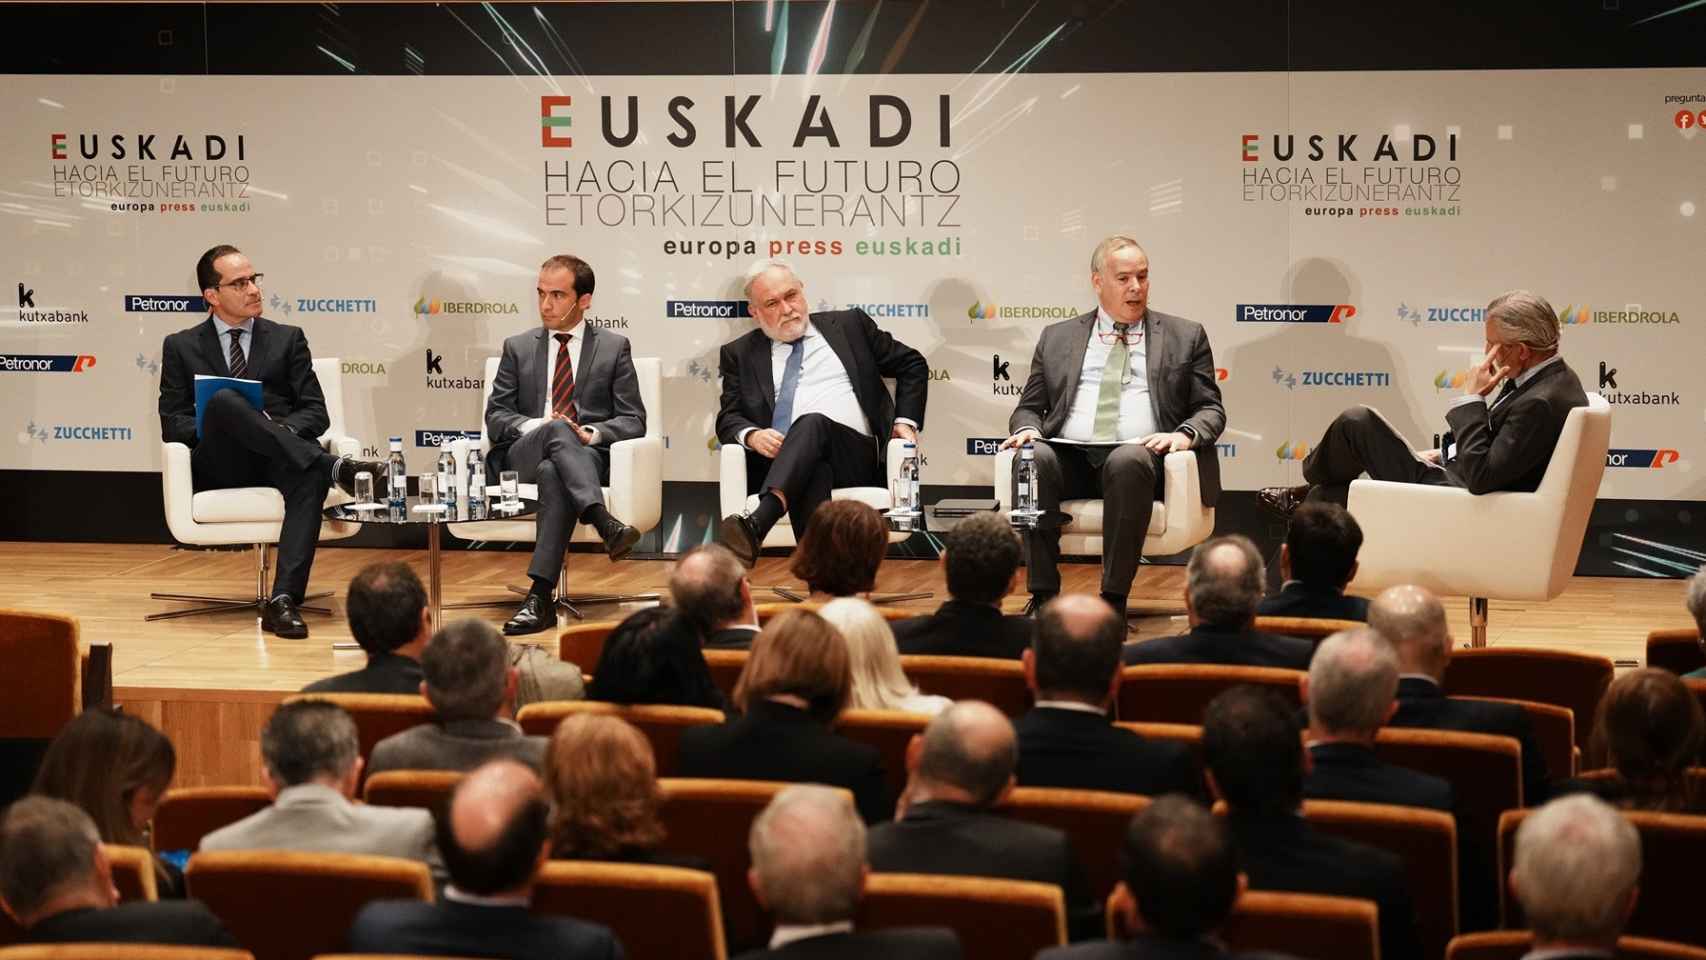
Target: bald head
x,y
1223,582
968,752
1413,620
1075,651
493,835
706,588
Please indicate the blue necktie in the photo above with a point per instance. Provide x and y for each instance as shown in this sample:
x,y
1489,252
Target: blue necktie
x,y
790,384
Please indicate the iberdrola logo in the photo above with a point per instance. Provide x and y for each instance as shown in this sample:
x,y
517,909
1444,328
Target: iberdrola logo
x,y
980,312
1446,380
1292,451
425,307
1572,315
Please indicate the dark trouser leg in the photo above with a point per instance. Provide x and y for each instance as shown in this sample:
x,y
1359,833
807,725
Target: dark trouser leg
x,y
1128,480
230,426
304,495
1361,440
1063,473
555,525
570,476
817,456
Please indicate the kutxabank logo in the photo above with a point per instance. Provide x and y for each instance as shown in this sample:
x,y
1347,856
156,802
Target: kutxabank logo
x,y
1638,398
27,312
1294,312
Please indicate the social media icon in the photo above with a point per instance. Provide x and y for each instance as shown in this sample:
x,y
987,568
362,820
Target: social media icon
x,y
1684,119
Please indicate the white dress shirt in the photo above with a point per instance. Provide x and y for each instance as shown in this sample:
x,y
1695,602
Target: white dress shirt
x,y
554,347
1137,416
224,329
787,933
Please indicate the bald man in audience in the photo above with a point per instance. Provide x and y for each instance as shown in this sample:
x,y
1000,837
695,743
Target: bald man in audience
x,y
1576,873
710,590
1223,585
494,838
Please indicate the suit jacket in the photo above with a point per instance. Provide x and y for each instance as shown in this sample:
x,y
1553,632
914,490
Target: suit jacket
x,y
185,923
1284,853
1146,946
1351,771
1508,445
960,629
868,352
1421,703
774,741
278,357
961,840
384,673
607,391
451,929
461,745
1085,751
899,943
313,817
1182,386
1297,600
1210,644
734,638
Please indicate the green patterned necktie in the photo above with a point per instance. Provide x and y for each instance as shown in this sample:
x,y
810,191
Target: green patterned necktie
x,y
1107,423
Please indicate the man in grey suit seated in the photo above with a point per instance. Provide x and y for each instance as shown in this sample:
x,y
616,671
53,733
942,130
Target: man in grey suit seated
x,y
310,763
472,686
563,393
1110,393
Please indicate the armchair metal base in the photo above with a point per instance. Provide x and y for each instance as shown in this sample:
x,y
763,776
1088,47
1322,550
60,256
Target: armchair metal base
x,y
566,602
1477,621
263,566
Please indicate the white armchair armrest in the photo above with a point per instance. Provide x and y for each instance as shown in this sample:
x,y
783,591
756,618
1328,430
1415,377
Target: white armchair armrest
x,y
1451,541
636,481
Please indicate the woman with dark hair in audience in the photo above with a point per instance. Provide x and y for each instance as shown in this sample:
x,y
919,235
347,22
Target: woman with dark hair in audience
x,y
1650,730
115,767
654,657
795,684
843,545
604,794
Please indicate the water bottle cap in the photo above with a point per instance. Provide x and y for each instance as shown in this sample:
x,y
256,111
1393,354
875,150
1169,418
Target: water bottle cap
x,y
397,441
908,445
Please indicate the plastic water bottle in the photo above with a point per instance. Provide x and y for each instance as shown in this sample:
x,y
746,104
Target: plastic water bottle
x,y
397,476
1025,481
446,475
906,483
476,484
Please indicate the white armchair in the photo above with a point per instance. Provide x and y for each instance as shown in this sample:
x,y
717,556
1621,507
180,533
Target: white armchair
x,y
1510,546
1177,521
247,515
733,498
634,494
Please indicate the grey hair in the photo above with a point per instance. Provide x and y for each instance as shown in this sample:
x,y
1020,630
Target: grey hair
x,y
1526,318
47,846
1222,593
308,739
1697,601
1352,680
1109,245
1577,862
1413,620
466,668
808,855
706,587
761,267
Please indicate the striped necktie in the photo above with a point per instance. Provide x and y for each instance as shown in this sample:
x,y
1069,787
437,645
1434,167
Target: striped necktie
x,y
563,380
238,363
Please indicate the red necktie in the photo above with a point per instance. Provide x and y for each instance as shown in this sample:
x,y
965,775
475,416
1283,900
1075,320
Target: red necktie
x,y
563,380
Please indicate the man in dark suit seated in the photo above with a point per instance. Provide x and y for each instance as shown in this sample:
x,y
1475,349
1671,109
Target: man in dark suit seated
x,y
808,871
494,838
57,883
980,557
1067,739
815,381
1223,584
388,616
1349,691
1500,444
958,769
1577,873
709,588
236,445
1254,752
1317,560
1696,603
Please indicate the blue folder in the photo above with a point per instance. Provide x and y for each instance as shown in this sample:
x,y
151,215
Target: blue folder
x,y
206,387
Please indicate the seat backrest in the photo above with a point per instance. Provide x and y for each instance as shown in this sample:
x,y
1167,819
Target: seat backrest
x,y
330,372
647,370
889,731
633,900
426,789
133,872
1564,677
1554,730
1572,478
662,723
583,643
1094,820
41,663
1000,683
725,666
186,814
1179,692
1485,771
251,892
1309,628
994,919
377,715
1490,945
1424,840
120,951
1303,925
1676,649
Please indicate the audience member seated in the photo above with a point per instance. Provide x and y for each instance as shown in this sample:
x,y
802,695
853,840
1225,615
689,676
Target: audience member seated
x,y
1576,872
388,615
494,839
56,882
808,871
1223,584
1350,692
709,587
1697,609
472,686
794,685
1254,752
980,557
878,681
960,767
654,657
310,762
1067,739
1413,620
603,786
1649,729
115,767
842,547
1181,880
1317,561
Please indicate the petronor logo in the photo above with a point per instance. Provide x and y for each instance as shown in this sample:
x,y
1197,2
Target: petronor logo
x,y
980,312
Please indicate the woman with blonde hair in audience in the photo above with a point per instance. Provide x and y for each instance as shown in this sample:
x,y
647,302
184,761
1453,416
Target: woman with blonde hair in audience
x,y
841,549
604,794
878,681
1649,729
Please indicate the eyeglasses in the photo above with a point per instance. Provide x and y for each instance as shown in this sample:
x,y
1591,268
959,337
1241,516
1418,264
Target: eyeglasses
x,y
1132,337
244,283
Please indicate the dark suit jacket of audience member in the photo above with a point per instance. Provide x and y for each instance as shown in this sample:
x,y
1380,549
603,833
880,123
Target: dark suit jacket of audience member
x,y
1283,852
1351,771
900,943
961,840
1147,946
774,741
185,923
384,673
462,745
1423,705
1294,599
1084,751
451,929
734,638
1217,645
960,629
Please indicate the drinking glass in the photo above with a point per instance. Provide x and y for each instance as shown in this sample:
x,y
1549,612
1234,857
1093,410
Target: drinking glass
x,y
429,488
364,487
509,484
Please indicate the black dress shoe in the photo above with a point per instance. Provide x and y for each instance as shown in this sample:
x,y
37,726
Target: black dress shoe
x,y
347,469
740,535
619,538
1282,501
281,619
1036,603
536,613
